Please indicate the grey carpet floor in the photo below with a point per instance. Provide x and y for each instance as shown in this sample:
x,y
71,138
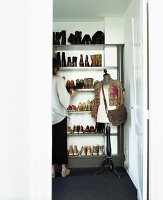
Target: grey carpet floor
x,y
84,184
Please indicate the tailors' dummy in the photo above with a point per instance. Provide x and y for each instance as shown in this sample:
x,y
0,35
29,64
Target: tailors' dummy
x,y
101,115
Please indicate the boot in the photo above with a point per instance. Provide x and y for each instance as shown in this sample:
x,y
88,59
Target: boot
x,y
68,61
96,60
78,37
81,63
86,61
59,58
71,38
77,84
93,59
86,39
99,60
63,37
74,61
58,37
54,38
63,63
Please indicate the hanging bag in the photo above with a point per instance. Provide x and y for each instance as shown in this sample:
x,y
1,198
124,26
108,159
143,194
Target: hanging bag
x,y
117,116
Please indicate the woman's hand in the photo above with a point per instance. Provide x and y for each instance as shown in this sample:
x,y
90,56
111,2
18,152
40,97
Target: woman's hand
x,y
73,92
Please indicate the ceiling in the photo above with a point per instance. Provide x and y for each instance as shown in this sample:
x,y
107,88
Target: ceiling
x,y
81,10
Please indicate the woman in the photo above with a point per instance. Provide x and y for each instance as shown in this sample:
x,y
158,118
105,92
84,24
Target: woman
x,y
60,102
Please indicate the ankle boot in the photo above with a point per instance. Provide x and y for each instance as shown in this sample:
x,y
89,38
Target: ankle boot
x,y
63,60
63,37
71,38
86,61
58,37
81,63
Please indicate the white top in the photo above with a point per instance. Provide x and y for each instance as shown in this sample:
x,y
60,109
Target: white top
x,y
101,115
60,99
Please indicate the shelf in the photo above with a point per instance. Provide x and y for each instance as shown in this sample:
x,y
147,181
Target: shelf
x,y
90,134
87,68
86,90
86,134
79,112
90,156
84,46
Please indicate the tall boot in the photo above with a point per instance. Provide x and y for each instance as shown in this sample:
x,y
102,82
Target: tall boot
x,y
59,58
99,60
68,61
78,37
63,60
58,37
63,37
81,63
86,61
74,61
93,60
54,38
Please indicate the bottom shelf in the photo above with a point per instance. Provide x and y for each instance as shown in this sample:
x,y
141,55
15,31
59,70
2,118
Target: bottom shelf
x,y
93,161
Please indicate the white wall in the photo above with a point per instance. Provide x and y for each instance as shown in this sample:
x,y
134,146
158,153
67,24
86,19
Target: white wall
x,y
156,99
114,27
25,119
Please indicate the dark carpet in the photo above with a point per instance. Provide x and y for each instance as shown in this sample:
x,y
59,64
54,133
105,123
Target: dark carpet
x,y
84,184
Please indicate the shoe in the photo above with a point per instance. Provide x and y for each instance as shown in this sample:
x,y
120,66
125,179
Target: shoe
x,y
84,106
83,151
101,150
53,175
95,150
71,38
63,37
70,151
75,129
76,152
87,129
65,173
81,62
81,129
89,151
63,62
92,129
69,130
86,61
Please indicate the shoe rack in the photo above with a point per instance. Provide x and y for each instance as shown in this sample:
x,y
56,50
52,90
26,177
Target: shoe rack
x,y
79,141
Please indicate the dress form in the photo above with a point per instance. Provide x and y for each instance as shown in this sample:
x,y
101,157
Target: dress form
x,y
102,118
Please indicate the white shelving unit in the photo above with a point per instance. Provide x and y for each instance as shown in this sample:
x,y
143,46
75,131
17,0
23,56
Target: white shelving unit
x,y
112,60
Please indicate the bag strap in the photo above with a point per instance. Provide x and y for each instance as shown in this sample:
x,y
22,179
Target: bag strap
x,y
105,102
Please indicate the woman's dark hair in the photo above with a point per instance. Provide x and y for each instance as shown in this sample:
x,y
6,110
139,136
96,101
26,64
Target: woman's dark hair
x,y
56,66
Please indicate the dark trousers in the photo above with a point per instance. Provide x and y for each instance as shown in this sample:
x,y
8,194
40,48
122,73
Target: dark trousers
x,y
59,142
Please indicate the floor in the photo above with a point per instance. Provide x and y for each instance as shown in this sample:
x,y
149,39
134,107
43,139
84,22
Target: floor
x,y
84,184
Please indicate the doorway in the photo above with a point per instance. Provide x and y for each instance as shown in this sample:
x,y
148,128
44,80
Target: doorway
x,y
121,25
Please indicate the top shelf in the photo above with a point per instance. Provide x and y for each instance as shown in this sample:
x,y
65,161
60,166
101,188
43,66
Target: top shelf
x,y
85,46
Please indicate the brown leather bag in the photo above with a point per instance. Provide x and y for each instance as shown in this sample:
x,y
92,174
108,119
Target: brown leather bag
x,y
117,116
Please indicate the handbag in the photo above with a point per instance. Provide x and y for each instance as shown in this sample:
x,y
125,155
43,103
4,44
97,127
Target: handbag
x,y
117,116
